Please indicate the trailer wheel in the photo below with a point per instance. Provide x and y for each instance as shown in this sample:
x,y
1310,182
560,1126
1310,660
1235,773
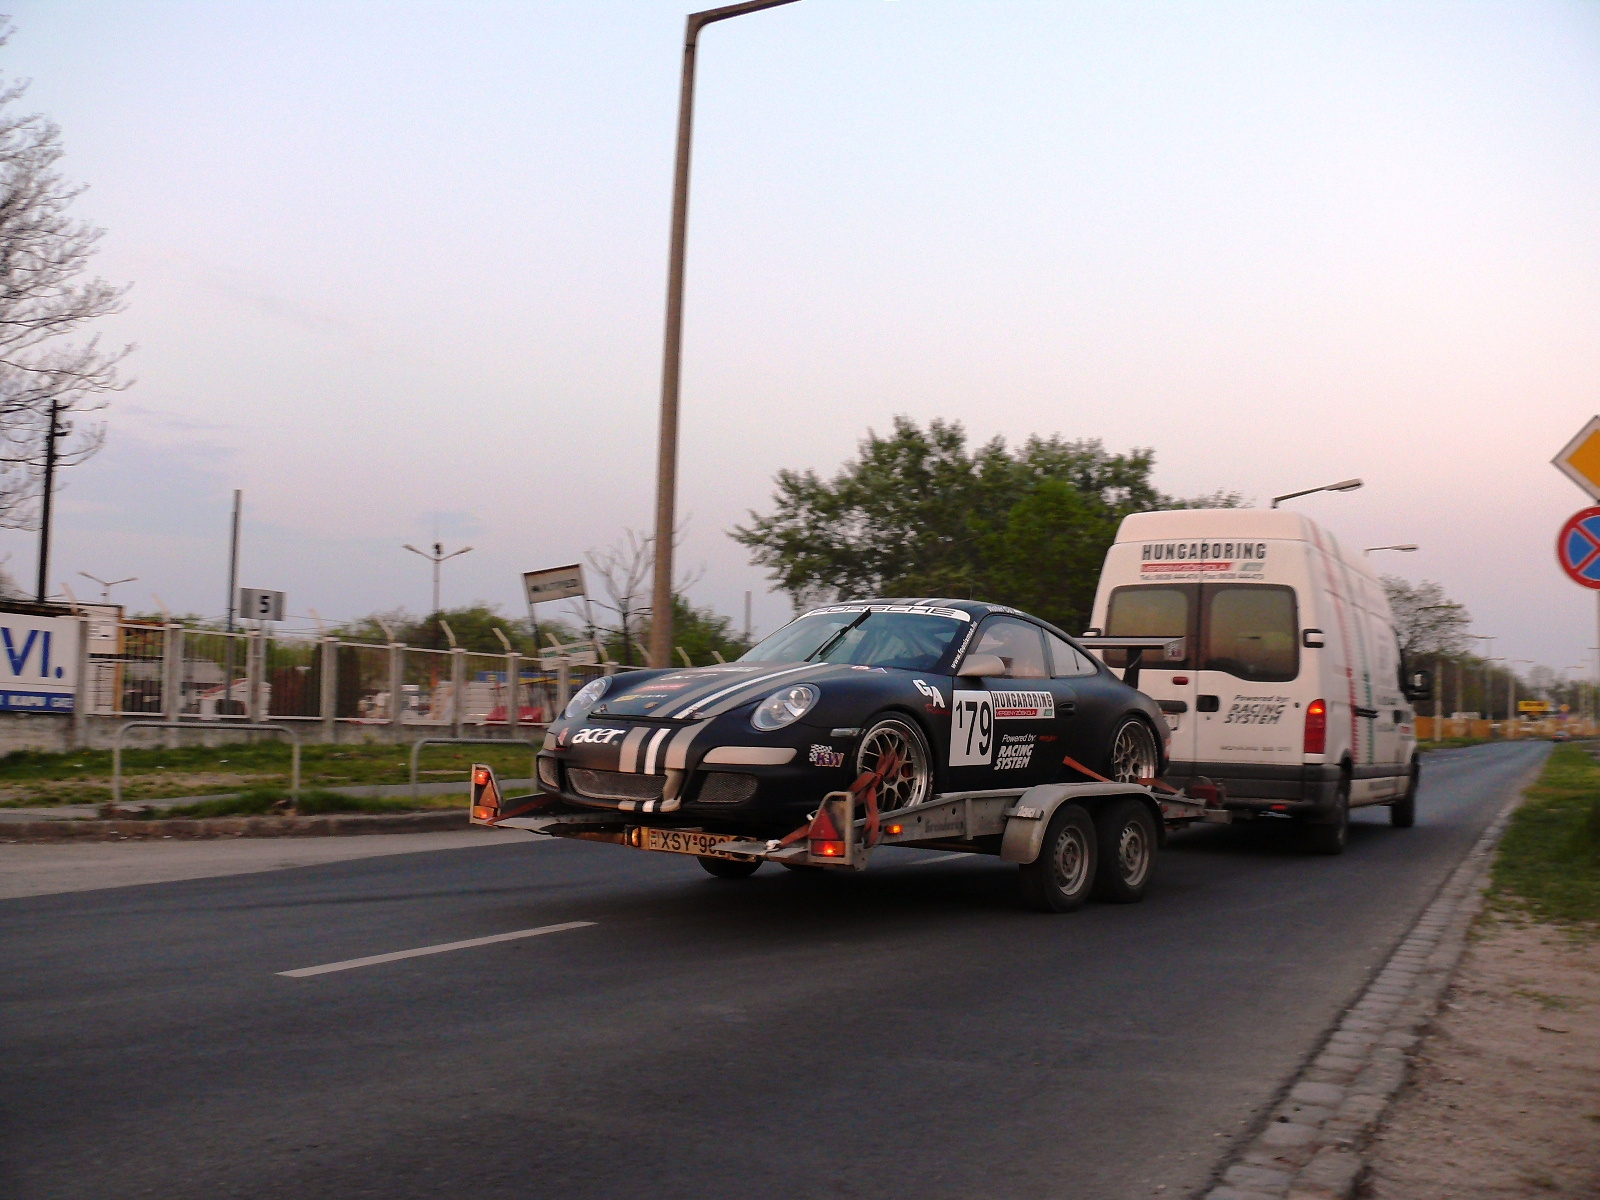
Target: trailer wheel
x,y
729,868
1127,852
1061,878
1403,812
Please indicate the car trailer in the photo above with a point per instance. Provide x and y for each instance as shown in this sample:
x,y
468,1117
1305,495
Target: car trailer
x,y
1070,840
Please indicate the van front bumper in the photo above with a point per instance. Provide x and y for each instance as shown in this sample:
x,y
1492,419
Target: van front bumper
x,y
1300,790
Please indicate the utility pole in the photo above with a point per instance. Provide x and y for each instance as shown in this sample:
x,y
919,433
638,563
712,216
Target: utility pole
x,y
233,557
671,365
51,434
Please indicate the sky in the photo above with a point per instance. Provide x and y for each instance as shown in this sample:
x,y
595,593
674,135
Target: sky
x,y
399,272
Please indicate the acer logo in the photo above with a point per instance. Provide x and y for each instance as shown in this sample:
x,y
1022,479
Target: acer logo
x,y
597,737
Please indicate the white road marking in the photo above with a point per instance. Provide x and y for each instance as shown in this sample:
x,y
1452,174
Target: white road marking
x,y
373,960
943,858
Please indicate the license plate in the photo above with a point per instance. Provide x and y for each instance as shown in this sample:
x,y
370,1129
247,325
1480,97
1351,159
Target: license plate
x,y
683,841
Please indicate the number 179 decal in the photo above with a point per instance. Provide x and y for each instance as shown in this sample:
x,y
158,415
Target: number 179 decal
x,y
971,729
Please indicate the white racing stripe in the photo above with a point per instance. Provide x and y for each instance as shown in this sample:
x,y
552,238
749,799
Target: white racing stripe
x,y
350,964
650,753
694,707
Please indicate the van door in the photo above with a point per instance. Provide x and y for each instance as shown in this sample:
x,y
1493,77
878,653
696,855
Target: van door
x,y
1250,654
1162,610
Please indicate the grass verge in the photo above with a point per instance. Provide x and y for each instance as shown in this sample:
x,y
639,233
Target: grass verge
x,y
272,801
29,778
1548,866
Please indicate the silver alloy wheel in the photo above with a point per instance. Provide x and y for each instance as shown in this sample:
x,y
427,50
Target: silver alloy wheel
x,y
913,782
1069,860
1133,753
1133,854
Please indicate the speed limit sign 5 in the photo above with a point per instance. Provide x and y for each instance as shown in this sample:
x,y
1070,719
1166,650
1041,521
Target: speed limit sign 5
x,y
259,604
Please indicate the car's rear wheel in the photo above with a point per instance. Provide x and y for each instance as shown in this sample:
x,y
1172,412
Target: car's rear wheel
x,y
1061,878
1133,754
729,868
912,782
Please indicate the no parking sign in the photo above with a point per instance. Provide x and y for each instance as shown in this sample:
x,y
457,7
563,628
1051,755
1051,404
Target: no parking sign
x,y
1578,548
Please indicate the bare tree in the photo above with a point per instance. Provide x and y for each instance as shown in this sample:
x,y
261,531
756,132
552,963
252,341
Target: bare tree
x,y
46,298
626,569
1427,621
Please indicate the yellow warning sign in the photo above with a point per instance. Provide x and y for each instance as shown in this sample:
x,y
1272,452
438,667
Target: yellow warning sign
x,y
1579,461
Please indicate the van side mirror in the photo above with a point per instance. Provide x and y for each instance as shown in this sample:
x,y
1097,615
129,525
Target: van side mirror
x,y
1312,639
1419,686
979,665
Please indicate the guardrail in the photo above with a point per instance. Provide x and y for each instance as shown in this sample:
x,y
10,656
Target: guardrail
x,y
116,749
416,751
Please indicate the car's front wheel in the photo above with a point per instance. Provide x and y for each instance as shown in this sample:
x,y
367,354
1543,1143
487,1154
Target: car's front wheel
x,y
729,868
910,783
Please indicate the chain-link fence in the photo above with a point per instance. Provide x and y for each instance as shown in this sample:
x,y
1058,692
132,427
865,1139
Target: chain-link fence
x,y
428,687
291,678
129,680
363,682
212,681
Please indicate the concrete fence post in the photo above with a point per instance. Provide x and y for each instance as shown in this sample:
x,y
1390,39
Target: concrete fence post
x,y
171,672
610,668
397,678
329,701
80,693
458,691
513,691
563,682
254,652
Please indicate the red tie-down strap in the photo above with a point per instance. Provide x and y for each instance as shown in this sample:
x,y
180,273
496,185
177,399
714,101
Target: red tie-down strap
x,y
865,791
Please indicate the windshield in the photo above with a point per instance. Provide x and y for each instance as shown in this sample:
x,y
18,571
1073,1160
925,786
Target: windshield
x,y
865,637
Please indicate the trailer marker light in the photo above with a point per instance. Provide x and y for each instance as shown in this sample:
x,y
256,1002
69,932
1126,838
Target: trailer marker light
x,y
893,830
824,838
480,813
480,776
827,849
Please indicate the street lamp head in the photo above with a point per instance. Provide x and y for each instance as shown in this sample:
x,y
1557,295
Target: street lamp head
x,y
1344,485
1405,549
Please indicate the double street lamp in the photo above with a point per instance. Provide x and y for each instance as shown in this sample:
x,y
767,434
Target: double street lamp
x,y
438,556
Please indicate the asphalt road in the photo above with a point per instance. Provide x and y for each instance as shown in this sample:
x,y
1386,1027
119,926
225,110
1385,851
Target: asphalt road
x,y
908,1032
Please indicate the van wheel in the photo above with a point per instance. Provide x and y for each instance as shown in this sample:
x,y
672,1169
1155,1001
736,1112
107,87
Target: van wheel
x,y
1062,877
1333,836
729,868
1127,852
1403,812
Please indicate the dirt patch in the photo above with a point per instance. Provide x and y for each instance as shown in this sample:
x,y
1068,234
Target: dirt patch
x,y
1504,1096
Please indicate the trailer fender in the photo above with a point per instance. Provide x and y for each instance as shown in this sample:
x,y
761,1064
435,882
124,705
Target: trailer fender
x,y
1029,817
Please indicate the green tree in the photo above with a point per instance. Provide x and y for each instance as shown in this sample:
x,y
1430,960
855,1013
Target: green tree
x,y
918,513
699,631
1427,622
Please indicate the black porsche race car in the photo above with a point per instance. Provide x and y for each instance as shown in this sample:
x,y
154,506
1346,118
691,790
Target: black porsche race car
x,y
970,696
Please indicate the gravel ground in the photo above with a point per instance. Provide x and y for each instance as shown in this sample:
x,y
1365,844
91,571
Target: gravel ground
x,y
1504,1096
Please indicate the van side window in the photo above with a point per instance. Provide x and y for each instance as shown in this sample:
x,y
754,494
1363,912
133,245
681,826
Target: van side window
x,y
1150,610
1068,662
1251,631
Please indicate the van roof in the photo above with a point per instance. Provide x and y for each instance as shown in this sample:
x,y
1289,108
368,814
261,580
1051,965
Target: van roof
x,y
1195,524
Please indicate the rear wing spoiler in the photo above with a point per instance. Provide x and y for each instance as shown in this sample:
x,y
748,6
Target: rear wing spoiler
x,y
1169,649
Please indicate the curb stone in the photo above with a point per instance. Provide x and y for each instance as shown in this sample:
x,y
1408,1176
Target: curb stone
x,y
1311,1145
193,828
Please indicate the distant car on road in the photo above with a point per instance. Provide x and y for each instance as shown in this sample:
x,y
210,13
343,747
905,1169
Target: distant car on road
x,y
970,697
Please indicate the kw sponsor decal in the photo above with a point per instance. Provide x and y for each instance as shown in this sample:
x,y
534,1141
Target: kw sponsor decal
x,y
597,737
1016,752
1024,706
826,756
1256,710
933,694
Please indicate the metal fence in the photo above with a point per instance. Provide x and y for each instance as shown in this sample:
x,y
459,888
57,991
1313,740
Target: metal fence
x,y
210,675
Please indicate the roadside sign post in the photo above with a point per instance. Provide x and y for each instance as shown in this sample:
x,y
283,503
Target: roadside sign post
x,y
555,583
1578,546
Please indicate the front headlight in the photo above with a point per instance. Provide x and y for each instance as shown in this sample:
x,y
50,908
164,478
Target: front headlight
x,y
587,697
785,707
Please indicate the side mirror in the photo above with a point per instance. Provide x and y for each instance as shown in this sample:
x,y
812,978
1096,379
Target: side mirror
x,y
1312,639
978,665
1419,686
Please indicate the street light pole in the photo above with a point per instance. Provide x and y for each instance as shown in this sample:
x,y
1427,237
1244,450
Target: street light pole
x,y
1490,638
107,584
1438,693
671,365
438,556
1511,696
1344,485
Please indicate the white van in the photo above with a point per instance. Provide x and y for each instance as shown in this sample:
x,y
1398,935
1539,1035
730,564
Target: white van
x,y
1290,691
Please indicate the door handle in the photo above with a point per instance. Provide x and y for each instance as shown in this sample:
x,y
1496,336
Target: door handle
x,y
1069,708
1207,703
1398,716
1173,706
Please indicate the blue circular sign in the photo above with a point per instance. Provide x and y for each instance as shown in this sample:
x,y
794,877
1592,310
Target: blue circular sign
x,y
1578,547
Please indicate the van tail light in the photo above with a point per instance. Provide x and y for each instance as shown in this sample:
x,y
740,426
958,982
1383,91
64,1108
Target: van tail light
x,y
824,838
1316,727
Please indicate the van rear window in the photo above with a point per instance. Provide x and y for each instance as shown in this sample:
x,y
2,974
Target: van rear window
x,y
1252,631
1149,610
